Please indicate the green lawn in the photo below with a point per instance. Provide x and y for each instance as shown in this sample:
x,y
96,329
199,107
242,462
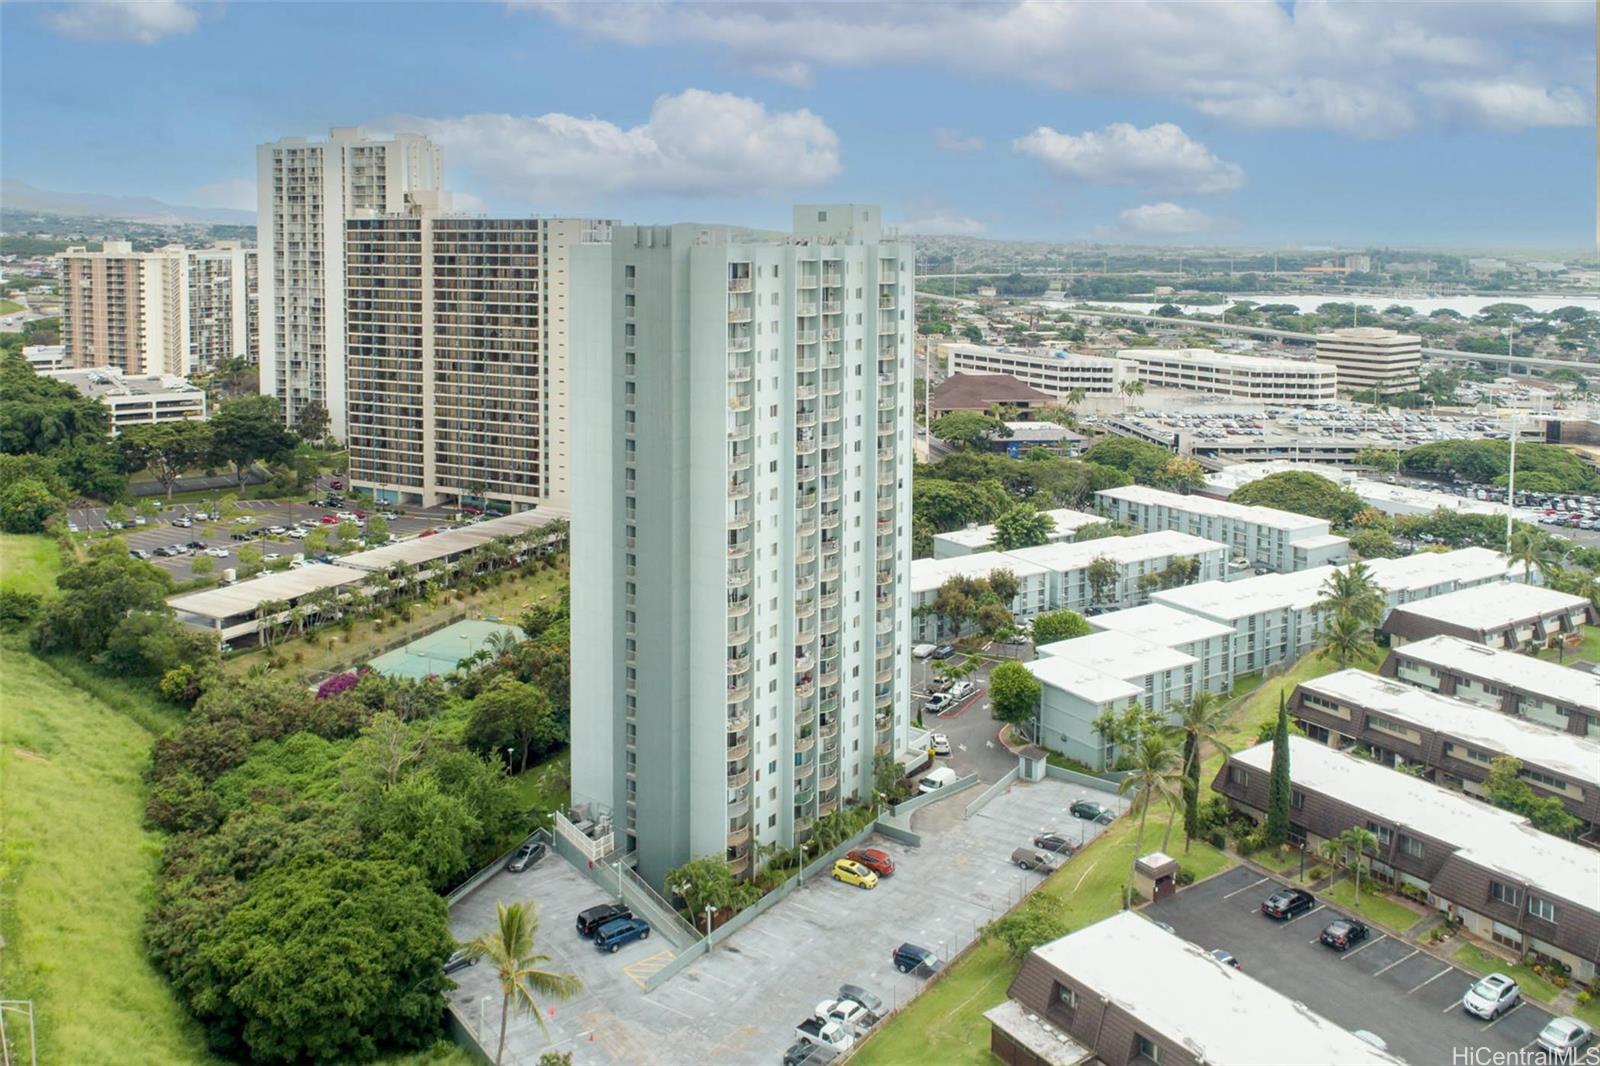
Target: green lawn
x,y
77,869
1588,651
548,786
945,1025
1381,909
29,562
10,307
1261,705
1471,957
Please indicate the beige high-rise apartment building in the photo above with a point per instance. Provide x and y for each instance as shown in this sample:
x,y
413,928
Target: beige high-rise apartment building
x,y
306,191
223,304
456,350
125,309
1369,358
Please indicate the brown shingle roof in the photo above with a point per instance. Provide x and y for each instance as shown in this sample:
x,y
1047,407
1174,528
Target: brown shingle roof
x,y
975,392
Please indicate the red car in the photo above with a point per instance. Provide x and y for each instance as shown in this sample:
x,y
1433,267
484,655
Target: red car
x,y
427,532
329,520
361,515
873,859
469,509
336,484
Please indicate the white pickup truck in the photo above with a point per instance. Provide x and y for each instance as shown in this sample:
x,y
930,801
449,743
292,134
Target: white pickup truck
x,y
830,1034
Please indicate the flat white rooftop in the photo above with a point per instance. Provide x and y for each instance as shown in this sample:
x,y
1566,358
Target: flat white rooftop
x,y
1494,605
1568,754
980,537
1178,990
1064,557
928,574
1118,654
1559,684
244,597
1206,505
1490,837
1086,682
419,550
1159,624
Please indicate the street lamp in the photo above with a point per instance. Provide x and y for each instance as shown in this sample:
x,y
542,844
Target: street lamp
x,y
509,764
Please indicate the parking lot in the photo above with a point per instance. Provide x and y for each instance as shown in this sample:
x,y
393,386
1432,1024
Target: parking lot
x,y
740,1004
970,725
1386,986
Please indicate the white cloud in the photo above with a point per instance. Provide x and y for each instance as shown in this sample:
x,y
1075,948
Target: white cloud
x,y
939,222
239,193
1156,157
1510,105
1313,63
1164,220
955,141
694,144
135,21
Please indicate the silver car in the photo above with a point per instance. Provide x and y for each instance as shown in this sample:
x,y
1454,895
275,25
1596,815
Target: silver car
x,y
1565,1036
1491,997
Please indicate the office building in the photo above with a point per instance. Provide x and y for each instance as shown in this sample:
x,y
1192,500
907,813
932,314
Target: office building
x,y
1050,370
224,289
981,538
1372,359
1265,536
42,357
741,529
1254,378
1507,614
1126,992
137,399
125,309
1557,696
1504,880
981,393
456,355
1451,741
306,190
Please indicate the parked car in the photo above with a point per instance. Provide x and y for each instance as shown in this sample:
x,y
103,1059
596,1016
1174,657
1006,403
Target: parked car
x,y
805,1053
183,523
1288,903
1565,1036
217,553
943,651
1090,811
939,684
910,958
595,917
939,743
874,859
856,993
1033,859
847,1012
1491,997
328,520
139,553
832,1035
527,855
961,690
336,484
1226,958
459,959
619,931
853,873
937,778
1055,842
1341,933
937,703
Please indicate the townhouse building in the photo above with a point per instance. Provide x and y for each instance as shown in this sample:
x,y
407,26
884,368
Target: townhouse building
x,y
1544,692
1505,614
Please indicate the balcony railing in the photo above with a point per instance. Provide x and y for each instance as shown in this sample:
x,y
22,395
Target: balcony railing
x,y
738,664
739,578
805,364
739,460
805,392
739,314
738,750
738,721
738,606
740,344
740,373
805,336
738,779
804,445
739,692
832,280
739,520
739,402
831,334
738,284
738,490
738,836
804,742
806,310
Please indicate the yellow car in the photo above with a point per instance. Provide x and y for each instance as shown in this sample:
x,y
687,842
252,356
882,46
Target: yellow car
x,y
853,873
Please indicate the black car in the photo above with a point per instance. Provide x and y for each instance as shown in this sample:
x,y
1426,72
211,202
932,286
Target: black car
x,y
1226,958
805,1053
1090,811
1343,932
943,651
459,959
595,917
526,856
1054,842
1288,903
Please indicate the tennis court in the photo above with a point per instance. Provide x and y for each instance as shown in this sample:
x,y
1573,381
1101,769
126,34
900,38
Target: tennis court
x,y
438,653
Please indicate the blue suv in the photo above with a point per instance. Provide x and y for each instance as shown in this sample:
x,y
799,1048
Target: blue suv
x,y
613,935
910,957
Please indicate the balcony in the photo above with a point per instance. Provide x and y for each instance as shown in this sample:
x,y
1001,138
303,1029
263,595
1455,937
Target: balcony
x,y
739,401
804,742
738,284
805,501
805,310
738,778
885,625
739,520
739,431
805,392
885,527
805,364
806,281
739,314
831,280
827,782
829,676
806,527
831,468
805,418
740,373
804,715
830,519
738,664
738,750
738,721
829,625
831,334
738,606
739,460
803,663
805,445
805,608
738,864
831,388
885,675
886,403
828,806
739,804
803,822
738,691
739,578
886,477
805,336
738,836
886,303
738,490
740,344
739,632
805,555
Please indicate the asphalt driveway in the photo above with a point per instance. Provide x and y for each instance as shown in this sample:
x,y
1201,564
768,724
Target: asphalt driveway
x,y
1405,995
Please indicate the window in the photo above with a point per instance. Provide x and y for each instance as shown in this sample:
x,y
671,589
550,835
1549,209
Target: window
x,y
1297,799
1382,832
1411,846
1148,1049
1510,895
1542,908
1238,775
1066,997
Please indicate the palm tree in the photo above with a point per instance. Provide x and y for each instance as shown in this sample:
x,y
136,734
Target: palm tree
x,y
1575,581
1355,592
502,644
520,970
1355,840
1130,389
1333,852
1346,639
1074,397
1531,548
1157,774
1200,722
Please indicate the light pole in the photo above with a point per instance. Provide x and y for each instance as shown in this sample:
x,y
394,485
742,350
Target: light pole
x,y
509,764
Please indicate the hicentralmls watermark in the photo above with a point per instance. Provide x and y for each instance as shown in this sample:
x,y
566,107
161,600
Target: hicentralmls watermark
x,y
1528,1056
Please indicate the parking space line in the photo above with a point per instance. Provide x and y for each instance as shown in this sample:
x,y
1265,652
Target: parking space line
x,y
1246,888
1307,914
1359,950
1514,1008
1397,962
1432,979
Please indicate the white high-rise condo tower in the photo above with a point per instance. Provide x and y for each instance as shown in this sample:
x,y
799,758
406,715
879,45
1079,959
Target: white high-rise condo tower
x,y
741,529
305,192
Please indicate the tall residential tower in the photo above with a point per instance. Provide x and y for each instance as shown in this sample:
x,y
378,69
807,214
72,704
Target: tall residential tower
x,y
125,309
741,529
305,192
457,339
223,304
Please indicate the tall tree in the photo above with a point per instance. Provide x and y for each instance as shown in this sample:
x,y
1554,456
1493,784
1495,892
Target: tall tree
x,y
247,431
1023,526
1355,592
167,448
521,971
1346,640
312,425
1013,693
1531,548
1279,791
1201,721
968,429
1102,576
1157,775
1354,841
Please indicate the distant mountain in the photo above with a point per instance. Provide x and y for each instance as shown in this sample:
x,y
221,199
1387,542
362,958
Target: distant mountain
x,y
20,196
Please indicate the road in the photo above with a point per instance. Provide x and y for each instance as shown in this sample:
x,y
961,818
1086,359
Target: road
x,y
971,727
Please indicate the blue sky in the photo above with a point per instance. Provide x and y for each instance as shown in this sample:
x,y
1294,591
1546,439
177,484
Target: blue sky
x,y
1321,122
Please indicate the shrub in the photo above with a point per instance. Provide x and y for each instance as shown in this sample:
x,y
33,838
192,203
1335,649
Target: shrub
x,y
1185,877
1217,839
337,684
1316,873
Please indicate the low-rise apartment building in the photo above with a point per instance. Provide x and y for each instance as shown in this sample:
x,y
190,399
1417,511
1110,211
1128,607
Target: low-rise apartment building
x,y
137,399
1265,536
1557,696
1258,379
928,576
1211,643
1125,992
1505,881
981,538
1275,616
1454,742
1368,358
1506,614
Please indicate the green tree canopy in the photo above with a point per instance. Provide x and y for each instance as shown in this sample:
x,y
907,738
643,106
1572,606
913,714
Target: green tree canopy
x,y
1022,526
1058,625
1013,693
96,595
247,431
968,429
1301,492
166,448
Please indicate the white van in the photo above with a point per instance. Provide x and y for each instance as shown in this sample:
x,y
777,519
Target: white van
x,y
935,779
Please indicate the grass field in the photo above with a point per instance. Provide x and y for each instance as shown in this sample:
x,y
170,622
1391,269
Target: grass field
x,y
29,562
1474,958
547,786
10,307
1381,909
77,869
1588,651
